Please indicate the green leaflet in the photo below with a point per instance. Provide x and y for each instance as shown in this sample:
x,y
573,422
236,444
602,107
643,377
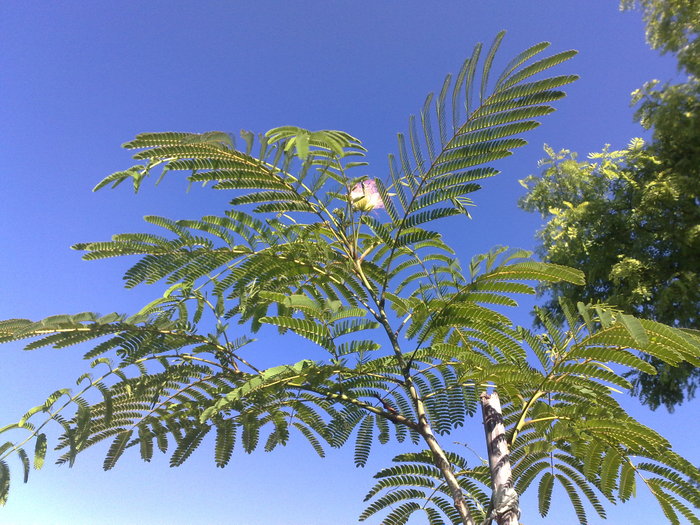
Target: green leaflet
x,y
573,497
116,449
363,443
25,463
145,439
520,59
272,375
4,482
627,486
635,329
303,327
301,140
578,486
188,444
414,477
613,355
536,271
545,493
540,65
311,438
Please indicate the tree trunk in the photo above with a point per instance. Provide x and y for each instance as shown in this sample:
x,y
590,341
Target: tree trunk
x,y
440,458
505,508
445,467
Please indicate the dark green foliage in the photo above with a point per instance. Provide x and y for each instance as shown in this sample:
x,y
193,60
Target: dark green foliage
x,y
629,221
404,340
672,26
417,470
4,482
565,428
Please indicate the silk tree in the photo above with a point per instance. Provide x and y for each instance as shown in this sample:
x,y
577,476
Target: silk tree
x,y
412,343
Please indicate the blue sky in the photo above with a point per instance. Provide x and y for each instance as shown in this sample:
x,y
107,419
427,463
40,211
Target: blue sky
x,y
77,79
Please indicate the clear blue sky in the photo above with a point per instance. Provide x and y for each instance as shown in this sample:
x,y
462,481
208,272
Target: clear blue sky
x,y
77,79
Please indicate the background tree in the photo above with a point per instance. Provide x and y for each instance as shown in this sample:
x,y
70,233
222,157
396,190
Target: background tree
x,y
672,26
406,343
630,219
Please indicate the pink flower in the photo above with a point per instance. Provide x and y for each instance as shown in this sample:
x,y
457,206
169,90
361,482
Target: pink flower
x,y
364,196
